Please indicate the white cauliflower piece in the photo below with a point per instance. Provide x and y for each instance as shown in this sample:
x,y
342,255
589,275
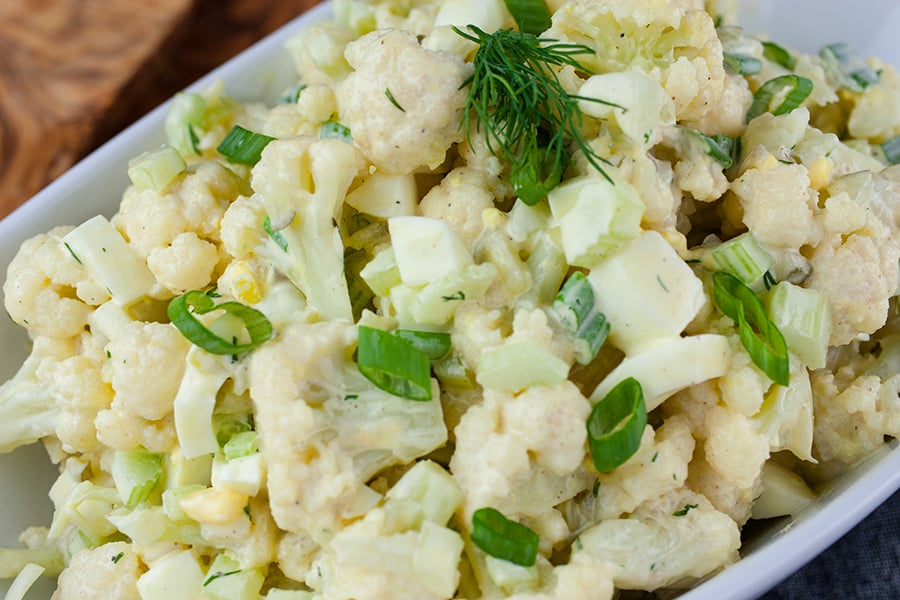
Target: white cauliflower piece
x,y
186,264
670,542
731,109
315,105
40,288
695,171
107,572
459,201
144,353
858,275
318,53
853,414
778,204
194,203
475,329
584,576
120,430
658,467
507,439
725,496
677,47
733,447
327,430
79,388
425,84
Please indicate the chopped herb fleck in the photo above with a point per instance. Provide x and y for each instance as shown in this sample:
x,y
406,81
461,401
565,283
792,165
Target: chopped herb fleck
x,y
768,280
390,96
351,396
72,252
596,489
661,284
684,511
217,575
655,456
115,559
460,295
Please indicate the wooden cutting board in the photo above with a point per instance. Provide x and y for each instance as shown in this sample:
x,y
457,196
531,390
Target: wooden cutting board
x,y
75,72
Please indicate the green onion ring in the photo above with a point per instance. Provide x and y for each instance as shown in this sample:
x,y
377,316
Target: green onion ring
x,y
181,312
393,364
504,538
616,424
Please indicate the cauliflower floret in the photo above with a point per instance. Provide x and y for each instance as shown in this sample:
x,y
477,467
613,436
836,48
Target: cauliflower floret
x,y
317,53
853,414
733,447
695,171
146,365
658,467
196,203
778,204
858,276
40,288
725,496
108,572
678,48
186,264
504,441
79,388
731,109
120,430
327,430
315,105
475,329
669,542
425,84
584,577
459,201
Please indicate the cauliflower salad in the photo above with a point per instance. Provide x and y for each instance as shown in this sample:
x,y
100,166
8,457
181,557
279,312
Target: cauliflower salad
x,y
504,299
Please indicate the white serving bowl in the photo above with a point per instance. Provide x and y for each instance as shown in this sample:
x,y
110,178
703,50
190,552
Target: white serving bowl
x,y
96,183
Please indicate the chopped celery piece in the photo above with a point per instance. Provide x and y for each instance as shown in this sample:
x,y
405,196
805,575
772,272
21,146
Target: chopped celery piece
x,y
509,576
517,365
228,425
226,580
803,317
188,112
136,474
171,501
743,257
595,216
111,262
241,444
156,169
575,308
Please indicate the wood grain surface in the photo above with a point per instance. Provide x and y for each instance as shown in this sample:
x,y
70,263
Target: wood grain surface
x,y
75,72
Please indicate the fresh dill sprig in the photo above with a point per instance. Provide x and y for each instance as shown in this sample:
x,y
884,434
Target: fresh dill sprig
x,y
524,109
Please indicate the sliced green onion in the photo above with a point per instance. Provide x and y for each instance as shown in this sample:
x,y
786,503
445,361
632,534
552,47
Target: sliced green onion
x,y
136,473
532,16
778,55
335,131
195,141
241,444
390,97
797,90
743,257
504,538
276,235
891,149
155,170
846,68
393,364
435,344
723,148
243,146
575,308
761,337
683,511
616,424
291,95
742,65
181,312
536,174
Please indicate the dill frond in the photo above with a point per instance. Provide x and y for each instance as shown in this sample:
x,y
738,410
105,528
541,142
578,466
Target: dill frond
x,y
525,112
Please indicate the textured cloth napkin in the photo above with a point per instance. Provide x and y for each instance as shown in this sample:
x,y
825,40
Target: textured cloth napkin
x,y
864,564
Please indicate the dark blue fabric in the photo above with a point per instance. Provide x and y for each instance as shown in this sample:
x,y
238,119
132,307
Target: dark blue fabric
x,y
864,564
